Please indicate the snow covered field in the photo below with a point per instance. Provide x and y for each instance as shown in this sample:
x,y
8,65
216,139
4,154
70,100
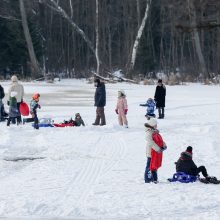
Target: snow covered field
x,y
97,172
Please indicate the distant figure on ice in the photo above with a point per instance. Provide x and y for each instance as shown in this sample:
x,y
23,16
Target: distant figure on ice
x,y
2,95
154,148
151,105
159,98
19,89
100,101
186,164
122,109
13,109
34,105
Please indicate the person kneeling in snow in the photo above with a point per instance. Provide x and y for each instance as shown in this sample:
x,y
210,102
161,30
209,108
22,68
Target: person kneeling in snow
x,y
154,148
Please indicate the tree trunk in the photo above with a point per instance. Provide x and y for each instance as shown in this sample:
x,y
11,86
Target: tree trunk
x,y
97,38
34,63
196,39
138,37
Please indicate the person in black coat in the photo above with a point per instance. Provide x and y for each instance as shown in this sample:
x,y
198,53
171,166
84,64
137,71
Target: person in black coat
x,y
186,164
2,95
100,101
159,98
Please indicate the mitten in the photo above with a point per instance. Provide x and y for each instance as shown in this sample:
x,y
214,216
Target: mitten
x,y
116,110
39,106
126,110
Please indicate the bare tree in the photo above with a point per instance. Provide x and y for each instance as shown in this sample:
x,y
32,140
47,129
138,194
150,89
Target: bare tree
x,y
138,37
34,63
196,38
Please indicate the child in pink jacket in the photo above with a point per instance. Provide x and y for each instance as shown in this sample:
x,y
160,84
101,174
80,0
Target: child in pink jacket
x,y
122,109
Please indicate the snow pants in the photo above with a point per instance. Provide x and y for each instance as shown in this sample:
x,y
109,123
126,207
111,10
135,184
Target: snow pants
x,y
201,169
33,119
100,115
150,176
122,119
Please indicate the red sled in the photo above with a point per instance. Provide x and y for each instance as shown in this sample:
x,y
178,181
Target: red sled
x,y
24,109
62,125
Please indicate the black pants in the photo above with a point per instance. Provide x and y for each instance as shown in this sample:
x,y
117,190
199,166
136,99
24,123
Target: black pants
x,y
203,170
33,119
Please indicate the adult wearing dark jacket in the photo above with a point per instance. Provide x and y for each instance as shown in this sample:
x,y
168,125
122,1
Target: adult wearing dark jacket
x,y
2,95
185,164
100,101
159,98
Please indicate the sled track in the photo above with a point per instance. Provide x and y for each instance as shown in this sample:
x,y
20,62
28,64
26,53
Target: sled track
x,y
105,156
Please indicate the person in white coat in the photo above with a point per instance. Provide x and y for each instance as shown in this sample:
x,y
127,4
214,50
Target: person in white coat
x,y
19,89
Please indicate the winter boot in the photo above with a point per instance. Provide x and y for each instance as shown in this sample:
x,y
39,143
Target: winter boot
x,y
160,113
8,122
212,179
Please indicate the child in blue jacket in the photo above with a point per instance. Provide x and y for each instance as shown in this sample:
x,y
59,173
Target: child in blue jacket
x,y
151,105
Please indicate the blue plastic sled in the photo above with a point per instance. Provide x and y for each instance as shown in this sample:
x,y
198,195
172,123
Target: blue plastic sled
x,y
183,178
44,123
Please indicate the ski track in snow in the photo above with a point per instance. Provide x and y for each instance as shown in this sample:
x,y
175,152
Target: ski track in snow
x,y
104,157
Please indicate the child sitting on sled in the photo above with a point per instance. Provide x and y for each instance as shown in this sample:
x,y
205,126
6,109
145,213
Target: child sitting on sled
x,y
34,105
154,148
151,105
186,165
78,121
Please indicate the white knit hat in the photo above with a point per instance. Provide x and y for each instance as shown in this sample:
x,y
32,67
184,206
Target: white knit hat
x,y
14,78
152,122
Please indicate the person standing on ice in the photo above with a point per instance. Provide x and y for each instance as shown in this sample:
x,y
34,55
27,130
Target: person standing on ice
x,y
154,148
13,109
100,101
19,89
159,98
122,109
2,95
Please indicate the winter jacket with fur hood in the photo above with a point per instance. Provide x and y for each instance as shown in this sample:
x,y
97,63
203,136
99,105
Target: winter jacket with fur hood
x,y
16,87
150,142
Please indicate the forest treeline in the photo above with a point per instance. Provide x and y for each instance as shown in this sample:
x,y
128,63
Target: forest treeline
x,y
78,37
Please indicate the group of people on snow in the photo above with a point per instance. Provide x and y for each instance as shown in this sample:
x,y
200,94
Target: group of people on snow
x,y
155,143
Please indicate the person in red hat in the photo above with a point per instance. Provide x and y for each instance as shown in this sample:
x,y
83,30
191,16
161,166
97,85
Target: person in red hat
x,y
34,105
186,164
